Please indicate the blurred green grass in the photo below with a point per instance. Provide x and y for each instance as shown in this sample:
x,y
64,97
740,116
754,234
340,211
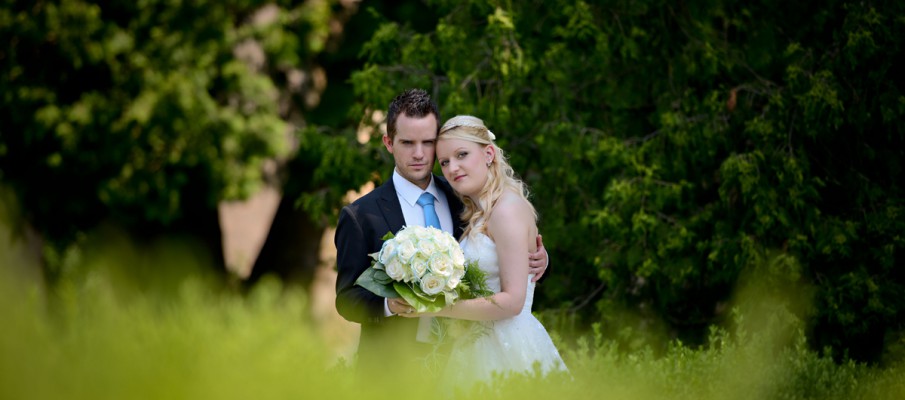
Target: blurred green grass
x,y
130,322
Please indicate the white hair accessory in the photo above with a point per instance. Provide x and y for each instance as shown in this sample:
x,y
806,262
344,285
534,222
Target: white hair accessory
x,y
466,121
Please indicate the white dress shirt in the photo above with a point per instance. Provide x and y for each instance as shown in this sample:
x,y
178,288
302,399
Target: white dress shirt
x,y
408,194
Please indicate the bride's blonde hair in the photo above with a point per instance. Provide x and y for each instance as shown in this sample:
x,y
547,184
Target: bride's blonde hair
x,y
500,177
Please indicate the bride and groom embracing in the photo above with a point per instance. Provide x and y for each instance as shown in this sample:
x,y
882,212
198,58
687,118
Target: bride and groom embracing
x,y
480,202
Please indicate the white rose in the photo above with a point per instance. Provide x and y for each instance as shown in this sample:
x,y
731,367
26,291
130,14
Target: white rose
x,y
441,264
387,251
432,284
406,250
404,234
447,241
395,270
459,271
428,246
457,256
424,232
419,265
453,281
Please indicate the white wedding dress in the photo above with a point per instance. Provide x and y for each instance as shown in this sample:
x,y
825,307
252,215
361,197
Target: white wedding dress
x,y
512,345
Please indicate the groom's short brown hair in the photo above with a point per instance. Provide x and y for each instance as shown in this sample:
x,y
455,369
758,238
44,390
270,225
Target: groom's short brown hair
x,y
413,103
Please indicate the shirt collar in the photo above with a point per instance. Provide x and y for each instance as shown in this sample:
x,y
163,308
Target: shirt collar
x,y
410,192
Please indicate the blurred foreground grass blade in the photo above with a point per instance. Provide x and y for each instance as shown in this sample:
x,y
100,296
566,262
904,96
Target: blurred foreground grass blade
x,y
101,335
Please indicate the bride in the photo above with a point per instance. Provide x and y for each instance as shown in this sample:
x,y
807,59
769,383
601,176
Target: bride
x,y
501,230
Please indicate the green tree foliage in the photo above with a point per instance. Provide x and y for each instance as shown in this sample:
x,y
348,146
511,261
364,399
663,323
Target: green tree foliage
x,y
329,161
145,113
674,148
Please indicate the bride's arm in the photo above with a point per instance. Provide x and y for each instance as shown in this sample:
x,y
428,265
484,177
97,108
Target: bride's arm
x,y
512,228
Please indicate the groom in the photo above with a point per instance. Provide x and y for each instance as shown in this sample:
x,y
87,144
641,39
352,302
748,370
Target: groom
x,y
412,126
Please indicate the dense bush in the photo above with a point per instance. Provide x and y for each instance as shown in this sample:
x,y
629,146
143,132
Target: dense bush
x,y
675,148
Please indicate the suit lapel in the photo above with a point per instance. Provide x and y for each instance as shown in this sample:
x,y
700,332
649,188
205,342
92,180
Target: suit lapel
x,y
389,206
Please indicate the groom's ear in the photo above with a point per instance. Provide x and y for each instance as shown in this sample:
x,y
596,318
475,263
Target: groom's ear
x,y
388,143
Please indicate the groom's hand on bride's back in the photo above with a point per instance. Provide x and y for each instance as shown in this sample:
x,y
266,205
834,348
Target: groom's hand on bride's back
x,y
538,260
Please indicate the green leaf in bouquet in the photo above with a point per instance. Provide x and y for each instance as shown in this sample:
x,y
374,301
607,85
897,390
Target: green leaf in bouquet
x,y
474,283
388,236
424,296
378,282
420,304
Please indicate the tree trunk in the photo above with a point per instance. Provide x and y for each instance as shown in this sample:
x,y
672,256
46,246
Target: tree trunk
x,y
291,250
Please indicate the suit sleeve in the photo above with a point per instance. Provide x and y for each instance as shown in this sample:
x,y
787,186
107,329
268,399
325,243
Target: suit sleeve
x,y
353,302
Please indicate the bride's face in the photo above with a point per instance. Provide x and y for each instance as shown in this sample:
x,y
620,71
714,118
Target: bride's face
x,y
464,164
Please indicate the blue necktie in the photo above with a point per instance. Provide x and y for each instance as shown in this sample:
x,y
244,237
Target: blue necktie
x,y
426,201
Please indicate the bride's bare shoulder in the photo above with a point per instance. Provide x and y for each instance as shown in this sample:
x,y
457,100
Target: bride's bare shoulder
x,y
511,208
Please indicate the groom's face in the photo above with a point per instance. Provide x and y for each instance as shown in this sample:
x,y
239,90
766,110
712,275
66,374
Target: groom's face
x,y
413,148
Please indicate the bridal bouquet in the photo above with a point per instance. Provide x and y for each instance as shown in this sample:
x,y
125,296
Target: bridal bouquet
x,y
426,267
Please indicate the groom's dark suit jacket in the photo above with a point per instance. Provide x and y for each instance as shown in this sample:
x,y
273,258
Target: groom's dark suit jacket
x,y
359,232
